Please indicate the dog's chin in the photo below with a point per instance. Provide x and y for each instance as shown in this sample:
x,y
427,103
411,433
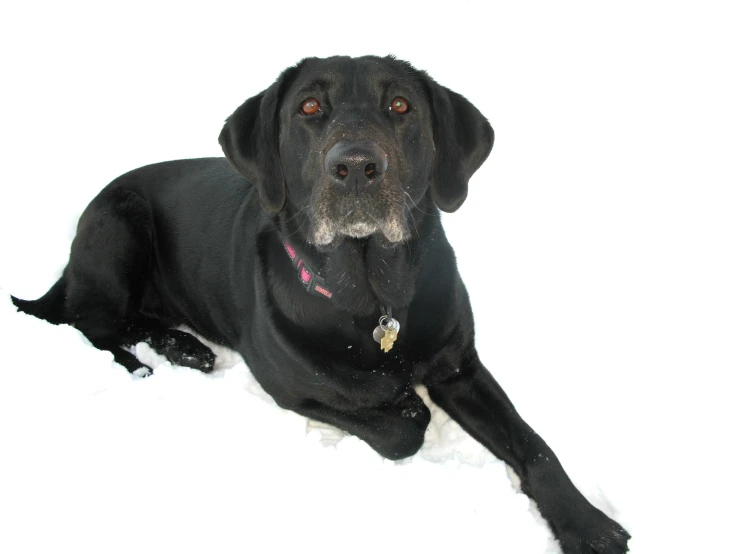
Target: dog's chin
x,y
328,233
359,230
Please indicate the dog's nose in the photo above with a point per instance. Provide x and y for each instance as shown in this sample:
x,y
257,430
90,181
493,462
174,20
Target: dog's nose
x,y
356,163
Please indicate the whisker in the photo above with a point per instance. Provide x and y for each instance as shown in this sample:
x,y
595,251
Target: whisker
x,y
413,219
298,213
297,230
289,219
411,199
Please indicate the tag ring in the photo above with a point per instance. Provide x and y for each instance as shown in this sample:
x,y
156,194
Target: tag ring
x,y
389,324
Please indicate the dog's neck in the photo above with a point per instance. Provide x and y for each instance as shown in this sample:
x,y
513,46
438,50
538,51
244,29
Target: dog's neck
x,y
364,274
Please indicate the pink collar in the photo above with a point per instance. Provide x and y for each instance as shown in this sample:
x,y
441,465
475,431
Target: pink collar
x,y
312,281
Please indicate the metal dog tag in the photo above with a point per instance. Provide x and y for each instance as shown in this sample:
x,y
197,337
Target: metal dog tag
x,y
386,333
388,340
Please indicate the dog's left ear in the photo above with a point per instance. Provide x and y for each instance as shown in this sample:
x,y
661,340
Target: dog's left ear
x,y
463,140
250,141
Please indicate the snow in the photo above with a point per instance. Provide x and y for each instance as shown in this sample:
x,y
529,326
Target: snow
x,y
598,244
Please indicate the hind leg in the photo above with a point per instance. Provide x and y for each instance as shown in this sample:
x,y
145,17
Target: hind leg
x,y
101,290
121,356
109,261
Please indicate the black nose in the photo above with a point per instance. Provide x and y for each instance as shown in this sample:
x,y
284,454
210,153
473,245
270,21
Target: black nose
x,y
356,163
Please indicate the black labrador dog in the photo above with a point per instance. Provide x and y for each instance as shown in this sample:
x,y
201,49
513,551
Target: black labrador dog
x,y
315,249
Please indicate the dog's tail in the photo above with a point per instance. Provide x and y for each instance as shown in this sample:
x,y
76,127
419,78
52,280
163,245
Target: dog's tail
x,y
50,306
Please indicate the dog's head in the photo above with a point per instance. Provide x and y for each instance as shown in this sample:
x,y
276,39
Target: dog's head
x,y
350,143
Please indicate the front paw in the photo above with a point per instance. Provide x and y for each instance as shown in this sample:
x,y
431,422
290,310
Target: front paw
x,y
592,533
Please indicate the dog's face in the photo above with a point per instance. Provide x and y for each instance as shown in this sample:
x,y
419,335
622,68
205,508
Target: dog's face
x,y
350,146
357,146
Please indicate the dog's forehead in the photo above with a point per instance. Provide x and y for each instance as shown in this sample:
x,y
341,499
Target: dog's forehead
x,y
361,75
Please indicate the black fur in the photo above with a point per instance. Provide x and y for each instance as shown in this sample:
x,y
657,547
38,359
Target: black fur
x,y
195,243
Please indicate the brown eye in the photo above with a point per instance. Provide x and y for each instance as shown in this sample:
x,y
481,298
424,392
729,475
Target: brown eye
x,y
310,106
400,105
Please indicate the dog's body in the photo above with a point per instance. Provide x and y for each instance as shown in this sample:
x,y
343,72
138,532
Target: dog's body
x,y
341,167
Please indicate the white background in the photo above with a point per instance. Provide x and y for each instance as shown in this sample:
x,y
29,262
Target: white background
x,y
599,245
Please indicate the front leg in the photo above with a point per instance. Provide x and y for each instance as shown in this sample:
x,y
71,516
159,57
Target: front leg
x,y
395,430
475,400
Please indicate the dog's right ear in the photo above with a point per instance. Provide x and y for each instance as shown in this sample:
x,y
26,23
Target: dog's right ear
x,y
250,141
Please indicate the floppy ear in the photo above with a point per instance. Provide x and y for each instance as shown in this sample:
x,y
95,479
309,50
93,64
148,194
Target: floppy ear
x,y
250,141
463,139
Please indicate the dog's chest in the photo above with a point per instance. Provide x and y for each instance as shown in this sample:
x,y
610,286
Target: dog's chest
x,y
352,342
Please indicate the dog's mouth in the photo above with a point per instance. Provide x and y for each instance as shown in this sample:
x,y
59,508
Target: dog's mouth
x,y
357,218
358,224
